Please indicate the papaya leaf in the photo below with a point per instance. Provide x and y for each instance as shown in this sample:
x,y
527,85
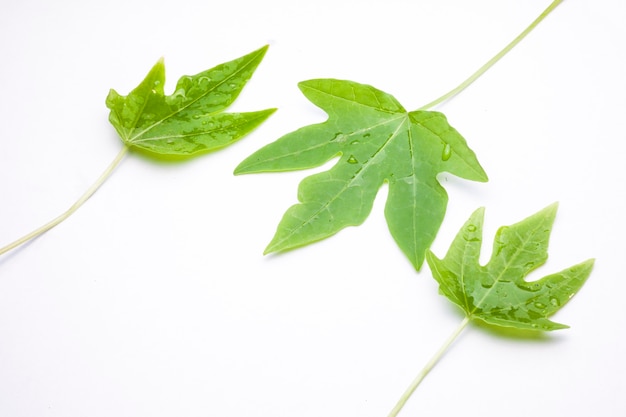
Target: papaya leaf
x,y
497,293
190,120
181,125
376,141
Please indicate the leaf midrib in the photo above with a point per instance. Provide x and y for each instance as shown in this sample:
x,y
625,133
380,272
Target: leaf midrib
x,y
226,128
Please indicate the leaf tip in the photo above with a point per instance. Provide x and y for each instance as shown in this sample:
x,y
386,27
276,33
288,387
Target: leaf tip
x,y
554,206
242,168
480,211
586,267
261,51
417,264
555,326
159,65
477,218
550,211
269,249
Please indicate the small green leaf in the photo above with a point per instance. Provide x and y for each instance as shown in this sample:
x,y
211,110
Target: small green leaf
x,y
190,120
377,141
497,293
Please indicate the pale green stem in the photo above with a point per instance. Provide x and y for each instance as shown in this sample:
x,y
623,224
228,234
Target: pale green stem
x,y
493,60
72,209
429,366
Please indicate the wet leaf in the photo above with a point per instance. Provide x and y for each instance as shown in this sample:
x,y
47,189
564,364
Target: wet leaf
x,y
498,293
191,120
376,141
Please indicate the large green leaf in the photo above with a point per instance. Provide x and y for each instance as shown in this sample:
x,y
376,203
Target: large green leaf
x,y
377,141
191,119
497,293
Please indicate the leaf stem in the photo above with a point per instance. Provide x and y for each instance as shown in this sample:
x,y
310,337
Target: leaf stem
x,y
73,208
429,366
493,60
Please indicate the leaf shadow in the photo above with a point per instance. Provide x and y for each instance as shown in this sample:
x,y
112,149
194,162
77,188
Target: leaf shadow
x,y
509,333
164,159
513,333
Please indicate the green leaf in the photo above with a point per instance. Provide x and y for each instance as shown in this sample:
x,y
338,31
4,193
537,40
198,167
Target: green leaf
x,y
376,141
497,293
190,120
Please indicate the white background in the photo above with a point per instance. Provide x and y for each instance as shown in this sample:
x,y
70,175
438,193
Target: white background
x,y
154,299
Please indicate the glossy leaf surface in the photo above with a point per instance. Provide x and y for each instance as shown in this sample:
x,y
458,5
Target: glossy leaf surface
x,y
191,120
376,141
498,293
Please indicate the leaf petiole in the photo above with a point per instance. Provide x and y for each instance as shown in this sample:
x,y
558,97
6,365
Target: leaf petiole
x,y
493,60
429,366
54,222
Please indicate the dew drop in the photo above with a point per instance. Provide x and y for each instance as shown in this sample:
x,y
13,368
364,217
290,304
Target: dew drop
x,y
354,142
447,152
197,116
540,305
352,160
471,228
338,137
554,302
179,94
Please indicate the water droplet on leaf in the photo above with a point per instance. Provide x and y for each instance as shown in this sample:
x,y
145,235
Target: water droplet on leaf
x,y
352,160
471,228
554,302
447,152
338,137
